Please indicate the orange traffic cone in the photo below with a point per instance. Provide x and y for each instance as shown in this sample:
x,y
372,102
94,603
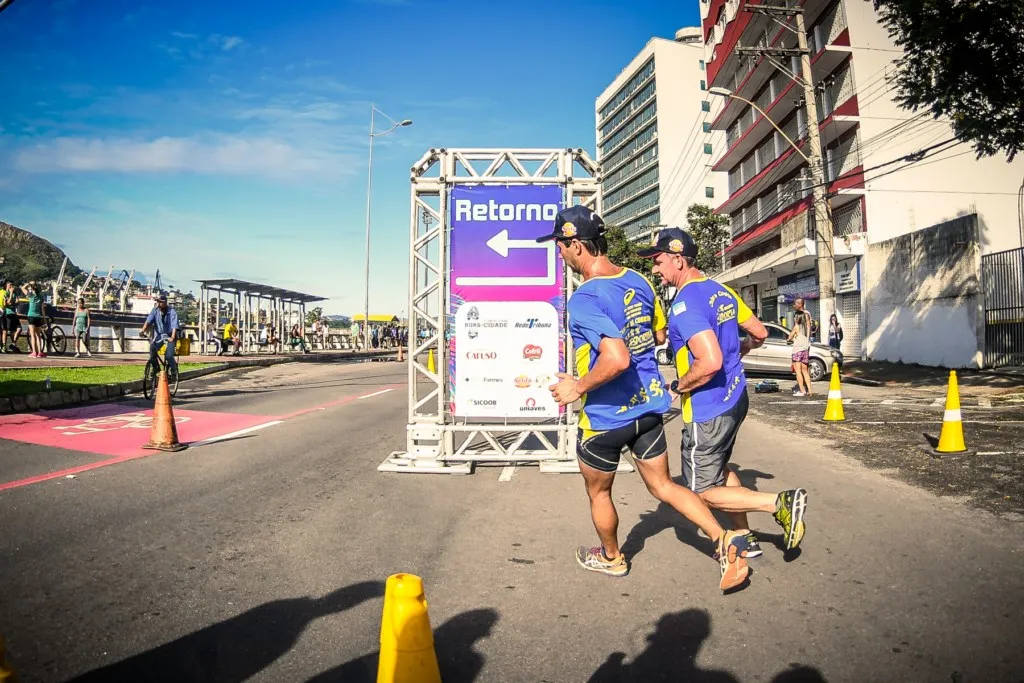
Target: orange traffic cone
x,y
951,439
401,356
406,639
7,674
163,436
834,406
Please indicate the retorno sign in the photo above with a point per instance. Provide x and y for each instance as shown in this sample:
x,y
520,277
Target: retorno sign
x,y
506,301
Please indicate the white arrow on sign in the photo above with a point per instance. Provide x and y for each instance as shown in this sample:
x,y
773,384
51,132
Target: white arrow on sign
x,y
501,244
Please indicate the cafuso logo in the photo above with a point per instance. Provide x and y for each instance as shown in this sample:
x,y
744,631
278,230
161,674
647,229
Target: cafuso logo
x,y
532,352
481,355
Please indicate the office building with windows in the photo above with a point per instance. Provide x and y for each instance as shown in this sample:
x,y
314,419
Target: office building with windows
x,y
654,140
904,276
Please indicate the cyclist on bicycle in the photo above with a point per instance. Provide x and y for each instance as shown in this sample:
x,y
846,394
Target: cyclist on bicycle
x,y
164,320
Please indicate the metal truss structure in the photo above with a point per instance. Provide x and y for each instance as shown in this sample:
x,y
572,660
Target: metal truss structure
x,y
437,441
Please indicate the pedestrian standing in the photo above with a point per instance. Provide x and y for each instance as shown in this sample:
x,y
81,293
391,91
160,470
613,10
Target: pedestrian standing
x,y
613,319
801,338
82,324
13,323
36,304
835,332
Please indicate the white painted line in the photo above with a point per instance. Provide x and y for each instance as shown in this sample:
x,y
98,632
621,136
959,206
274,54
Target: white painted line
x,y
939,402
984,403
506,473
936,422
888,402
992,452
240,432
376,393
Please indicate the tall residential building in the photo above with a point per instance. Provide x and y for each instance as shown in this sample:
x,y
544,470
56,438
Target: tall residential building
x,y
878,202
654,140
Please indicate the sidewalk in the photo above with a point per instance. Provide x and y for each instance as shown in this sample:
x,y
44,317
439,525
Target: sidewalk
x,y
22,360
907,376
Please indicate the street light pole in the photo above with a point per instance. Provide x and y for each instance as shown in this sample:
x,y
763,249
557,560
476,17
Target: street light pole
x,y
369,183
826,267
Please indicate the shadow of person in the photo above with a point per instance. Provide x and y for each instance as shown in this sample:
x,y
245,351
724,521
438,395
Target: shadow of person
x,y
453,644
670,655
237,648
800,674
748,477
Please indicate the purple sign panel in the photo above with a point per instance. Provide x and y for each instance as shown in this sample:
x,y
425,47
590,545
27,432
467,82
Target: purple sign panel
x,y
495,259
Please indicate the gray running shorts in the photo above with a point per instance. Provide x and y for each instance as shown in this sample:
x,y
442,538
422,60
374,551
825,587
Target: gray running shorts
x,y
707,446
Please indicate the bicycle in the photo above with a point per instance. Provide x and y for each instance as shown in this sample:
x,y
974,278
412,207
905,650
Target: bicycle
x,y
56,340
154,366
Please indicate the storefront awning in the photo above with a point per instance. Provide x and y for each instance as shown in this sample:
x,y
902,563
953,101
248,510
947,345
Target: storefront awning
x,y
791,259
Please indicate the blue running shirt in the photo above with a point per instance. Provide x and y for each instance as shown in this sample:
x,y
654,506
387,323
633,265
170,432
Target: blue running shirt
x,y
622,306
707,305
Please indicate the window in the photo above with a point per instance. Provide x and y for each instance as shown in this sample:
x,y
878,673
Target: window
x,y
707,148
705,106
707,127
703,85
709,192
701,64
776,334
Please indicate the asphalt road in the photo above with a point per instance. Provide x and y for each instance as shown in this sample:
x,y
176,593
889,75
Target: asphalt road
x,y
262,557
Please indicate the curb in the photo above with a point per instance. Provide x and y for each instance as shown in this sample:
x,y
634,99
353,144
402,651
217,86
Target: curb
x,y
72,397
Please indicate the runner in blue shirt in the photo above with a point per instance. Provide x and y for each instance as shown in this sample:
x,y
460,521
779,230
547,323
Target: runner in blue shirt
x,y
616,319
705,320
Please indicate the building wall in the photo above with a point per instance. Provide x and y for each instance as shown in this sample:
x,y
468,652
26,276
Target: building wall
x,y
923,300
937,189
683,166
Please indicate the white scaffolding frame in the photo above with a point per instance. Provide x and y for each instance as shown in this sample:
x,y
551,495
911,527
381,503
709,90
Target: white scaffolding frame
x,y
432,432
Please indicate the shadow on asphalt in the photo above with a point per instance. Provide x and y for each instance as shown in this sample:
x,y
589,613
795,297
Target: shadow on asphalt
x,y
238,648
671,655
453,642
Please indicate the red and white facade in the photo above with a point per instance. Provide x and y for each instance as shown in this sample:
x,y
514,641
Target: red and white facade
x,y
771,259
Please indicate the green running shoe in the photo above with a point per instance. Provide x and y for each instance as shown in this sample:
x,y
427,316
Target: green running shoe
x,y
789,513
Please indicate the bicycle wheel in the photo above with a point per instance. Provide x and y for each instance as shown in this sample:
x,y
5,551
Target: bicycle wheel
x,y
58,342
172,380
149,378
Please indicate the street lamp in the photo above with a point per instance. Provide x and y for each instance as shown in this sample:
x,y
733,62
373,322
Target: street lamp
x,y
369,182
823,222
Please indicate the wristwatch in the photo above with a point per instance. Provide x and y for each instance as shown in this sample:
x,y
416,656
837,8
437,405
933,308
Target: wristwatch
x,y
674,386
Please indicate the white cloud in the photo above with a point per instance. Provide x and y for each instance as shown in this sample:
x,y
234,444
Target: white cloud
x,y
218,154
230,42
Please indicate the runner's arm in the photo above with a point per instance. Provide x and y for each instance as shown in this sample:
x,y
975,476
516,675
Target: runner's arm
x,y
707,360
612,360
756,334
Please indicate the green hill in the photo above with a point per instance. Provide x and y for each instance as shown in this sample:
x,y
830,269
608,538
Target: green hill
x,y
29,257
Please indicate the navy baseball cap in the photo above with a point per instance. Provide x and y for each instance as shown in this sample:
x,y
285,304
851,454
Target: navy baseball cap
x,y
577,223
671,241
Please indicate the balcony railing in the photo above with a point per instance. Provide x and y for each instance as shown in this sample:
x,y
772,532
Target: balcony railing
x,y
827,29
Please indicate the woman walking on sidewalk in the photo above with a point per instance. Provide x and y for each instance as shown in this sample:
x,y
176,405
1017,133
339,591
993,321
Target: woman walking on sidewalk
x,y
36,303
82,325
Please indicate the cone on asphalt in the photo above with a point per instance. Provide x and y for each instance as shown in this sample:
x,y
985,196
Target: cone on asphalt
x,y
951,439
406,639
430,362
163,435
401,356
7,674
834,406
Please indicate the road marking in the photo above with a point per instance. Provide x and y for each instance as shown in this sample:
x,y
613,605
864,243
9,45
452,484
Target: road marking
x,y
985,402
74,470
331,404
506,473
888,402
939,402
240,432
921,422
376,393
993,452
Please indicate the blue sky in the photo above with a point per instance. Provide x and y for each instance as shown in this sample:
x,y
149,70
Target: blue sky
x,y
229,138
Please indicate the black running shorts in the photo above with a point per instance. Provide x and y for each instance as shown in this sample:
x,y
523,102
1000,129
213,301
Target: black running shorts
x,y
602,450
707,446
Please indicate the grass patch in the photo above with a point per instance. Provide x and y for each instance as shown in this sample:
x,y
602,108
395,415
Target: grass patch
x,y
22,381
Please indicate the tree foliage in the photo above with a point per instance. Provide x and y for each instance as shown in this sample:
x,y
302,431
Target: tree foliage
x,y
711,233
622,250
313,315
963,59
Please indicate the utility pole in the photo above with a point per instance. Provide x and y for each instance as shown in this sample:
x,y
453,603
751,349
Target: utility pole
x,y
826,265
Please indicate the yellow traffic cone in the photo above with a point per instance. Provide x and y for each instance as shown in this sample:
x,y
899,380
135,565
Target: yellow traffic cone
x,y
430,362
406,640
834,406
951,439
7,674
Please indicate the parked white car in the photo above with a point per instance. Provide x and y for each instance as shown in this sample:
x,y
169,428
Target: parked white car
x,y
775,356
